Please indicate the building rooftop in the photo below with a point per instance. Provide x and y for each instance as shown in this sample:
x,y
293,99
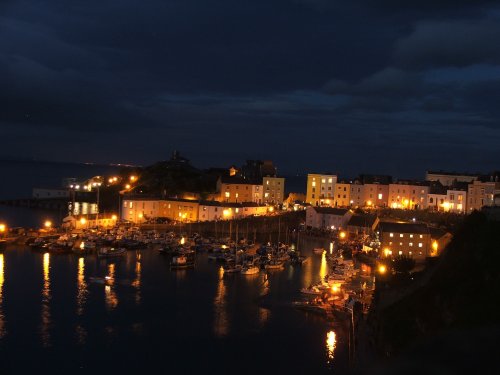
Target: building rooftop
x,y
403,227
362,220
331,210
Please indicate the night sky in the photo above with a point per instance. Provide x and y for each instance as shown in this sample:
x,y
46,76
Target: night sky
x,y
358,86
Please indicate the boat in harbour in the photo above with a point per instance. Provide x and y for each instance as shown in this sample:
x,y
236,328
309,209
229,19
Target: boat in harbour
x,y
186,260
111,252
250,270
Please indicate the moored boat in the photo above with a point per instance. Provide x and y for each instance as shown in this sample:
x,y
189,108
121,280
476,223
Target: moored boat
x,y
111,252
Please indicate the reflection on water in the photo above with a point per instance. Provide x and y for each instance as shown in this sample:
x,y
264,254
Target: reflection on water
x,y
81,296
323,269
331,343
220,308
109,290
45,327
2,317
137,282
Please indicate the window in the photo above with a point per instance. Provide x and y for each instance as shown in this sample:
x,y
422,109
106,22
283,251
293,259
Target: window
x,y
323,181
400,252
330,180
401,235
431,200
411,244
411,235
380,196
421,236
391,234
400,244
420,244
227,194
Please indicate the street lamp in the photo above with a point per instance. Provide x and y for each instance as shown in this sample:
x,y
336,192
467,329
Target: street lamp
x,y
3,228
47,224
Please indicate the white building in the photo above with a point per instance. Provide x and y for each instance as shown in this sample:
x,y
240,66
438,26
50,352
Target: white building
x,y
327,217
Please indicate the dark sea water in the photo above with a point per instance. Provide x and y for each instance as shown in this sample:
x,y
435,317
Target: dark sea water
x,y
54,320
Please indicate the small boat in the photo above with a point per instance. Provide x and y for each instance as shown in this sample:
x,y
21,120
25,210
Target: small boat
x,y
274,264
111,252
232,268
182,261
250,270
318,250
313,290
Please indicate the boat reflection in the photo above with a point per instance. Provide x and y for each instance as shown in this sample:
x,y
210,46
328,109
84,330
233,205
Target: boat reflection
x,y
2,317
323,268
221,324
109,291
46,296
137,282
82,291
331,343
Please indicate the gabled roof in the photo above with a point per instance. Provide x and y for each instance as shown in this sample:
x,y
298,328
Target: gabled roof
x,y
362,220
331,211
403,227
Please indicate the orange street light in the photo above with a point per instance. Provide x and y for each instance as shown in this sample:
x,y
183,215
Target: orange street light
x,y
47,224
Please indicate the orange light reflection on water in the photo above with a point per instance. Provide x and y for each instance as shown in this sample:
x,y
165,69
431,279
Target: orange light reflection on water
x,y
331,343
2,280
111,297
45,313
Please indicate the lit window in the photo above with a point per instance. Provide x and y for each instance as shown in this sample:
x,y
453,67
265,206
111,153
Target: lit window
x,y
401,235
323,181
421,236
227,194
400,252
391,235
420,244
380,196
411,235
267,182
314,184
400,244
330,180
411,244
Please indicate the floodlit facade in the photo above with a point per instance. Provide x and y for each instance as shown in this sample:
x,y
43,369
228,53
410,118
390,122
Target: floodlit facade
x,y
481,194
375,195
408,195
357,195
273,190
408,239
237,192
320,189
139,210
342,194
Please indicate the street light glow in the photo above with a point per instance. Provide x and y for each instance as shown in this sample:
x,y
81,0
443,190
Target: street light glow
x,y
83,221
47,224
382,269
2,228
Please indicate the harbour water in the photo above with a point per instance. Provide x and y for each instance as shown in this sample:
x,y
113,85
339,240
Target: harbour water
x,y
54,317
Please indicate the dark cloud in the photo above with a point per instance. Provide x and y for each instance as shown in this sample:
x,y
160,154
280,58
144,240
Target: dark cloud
x,y
288,80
